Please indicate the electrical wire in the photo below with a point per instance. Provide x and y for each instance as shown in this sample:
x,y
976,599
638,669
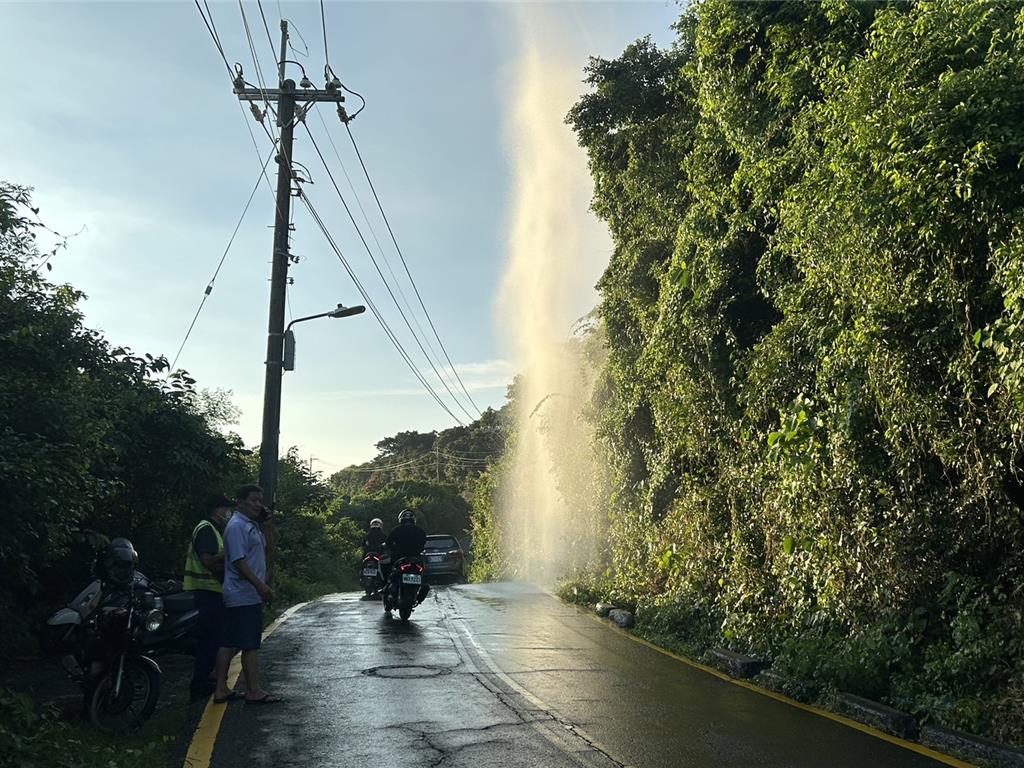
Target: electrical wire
x,y
323,24
273,51
387,285
380,249
213,33
292,48
259,70
373,307
216,272
406,266
417,460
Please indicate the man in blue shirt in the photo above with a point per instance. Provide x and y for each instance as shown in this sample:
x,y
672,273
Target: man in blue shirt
x,y
245,592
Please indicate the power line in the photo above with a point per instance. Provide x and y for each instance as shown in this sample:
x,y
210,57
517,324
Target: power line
x,y
323,24
273,50
406,266
256,63
381,274
213,33
380,250
417,460
373,307
227,248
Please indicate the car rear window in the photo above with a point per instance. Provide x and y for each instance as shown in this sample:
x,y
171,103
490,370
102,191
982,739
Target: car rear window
x,y
443,542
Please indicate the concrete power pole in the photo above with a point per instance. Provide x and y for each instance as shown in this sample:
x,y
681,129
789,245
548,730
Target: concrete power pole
x,y
287,114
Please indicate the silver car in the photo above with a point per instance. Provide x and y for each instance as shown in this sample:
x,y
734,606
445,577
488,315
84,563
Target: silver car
x,y
443,556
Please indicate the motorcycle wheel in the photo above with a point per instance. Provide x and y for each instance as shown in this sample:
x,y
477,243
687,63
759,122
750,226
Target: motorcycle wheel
x,y
404,612
140,689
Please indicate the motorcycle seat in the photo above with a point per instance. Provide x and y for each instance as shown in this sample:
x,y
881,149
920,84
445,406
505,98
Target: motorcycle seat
x,y
179,602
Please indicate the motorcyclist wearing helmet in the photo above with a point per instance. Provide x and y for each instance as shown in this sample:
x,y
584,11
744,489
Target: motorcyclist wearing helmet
x,y
408,540
375,537
116,565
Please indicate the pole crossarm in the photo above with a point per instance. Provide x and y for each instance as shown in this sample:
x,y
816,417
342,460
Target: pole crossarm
x,y
303,95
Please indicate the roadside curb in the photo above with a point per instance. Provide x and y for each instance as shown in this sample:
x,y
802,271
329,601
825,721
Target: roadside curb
x,y
204,738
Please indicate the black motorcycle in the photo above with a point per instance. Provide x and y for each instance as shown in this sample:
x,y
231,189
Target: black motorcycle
x,y
407,587
178,632
371,573
103,633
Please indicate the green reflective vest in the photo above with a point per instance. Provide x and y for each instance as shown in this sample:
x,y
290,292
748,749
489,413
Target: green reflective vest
x,y
197,575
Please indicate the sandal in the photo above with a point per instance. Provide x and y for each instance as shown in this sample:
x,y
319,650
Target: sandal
x,y
233,696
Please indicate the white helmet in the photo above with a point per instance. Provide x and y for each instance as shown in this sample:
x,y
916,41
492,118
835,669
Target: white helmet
x,y
376,523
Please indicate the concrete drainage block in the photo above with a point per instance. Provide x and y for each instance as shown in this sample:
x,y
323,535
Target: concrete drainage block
x,y
621,617
973,748
801,690
878,715
736,664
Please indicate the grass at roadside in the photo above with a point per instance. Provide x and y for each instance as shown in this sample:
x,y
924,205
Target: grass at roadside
x,y
34,738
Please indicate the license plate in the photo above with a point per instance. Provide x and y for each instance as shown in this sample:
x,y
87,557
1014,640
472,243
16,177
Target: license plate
x,y
412,578
369,571
435,558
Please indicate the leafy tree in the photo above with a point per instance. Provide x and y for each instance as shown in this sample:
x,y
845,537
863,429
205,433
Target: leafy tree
x,y
94,437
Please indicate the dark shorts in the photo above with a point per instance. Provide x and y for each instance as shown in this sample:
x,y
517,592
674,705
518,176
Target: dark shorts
x,y
243,627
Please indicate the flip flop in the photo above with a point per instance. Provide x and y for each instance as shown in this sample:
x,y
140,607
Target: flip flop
x,y
266,699
233,696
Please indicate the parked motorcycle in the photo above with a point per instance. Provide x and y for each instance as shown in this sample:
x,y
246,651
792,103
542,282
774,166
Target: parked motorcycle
x,y
178,632
103,632
407,587
371,576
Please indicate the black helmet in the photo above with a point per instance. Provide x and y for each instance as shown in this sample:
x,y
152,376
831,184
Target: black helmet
x,y
406,516
119,561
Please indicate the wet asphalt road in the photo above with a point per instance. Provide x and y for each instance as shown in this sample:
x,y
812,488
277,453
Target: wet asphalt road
x,y
504,676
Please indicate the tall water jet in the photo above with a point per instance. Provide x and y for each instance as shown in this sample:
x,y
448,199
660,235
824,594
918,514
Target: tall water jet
x,y
556,252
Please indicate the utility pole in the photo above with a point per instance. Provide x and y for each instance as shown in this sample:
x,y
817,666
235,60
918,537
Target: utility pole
x,y
288,112
437,465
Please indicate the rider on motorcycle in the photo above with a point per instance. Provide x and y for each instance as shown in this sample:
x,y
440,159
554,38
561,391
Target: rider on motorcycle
x,y
375,537
408,540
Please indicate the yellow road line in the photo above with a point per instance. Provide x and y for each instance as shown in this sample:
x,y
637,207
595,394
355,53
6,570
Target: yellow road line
x,y
200,750
912,746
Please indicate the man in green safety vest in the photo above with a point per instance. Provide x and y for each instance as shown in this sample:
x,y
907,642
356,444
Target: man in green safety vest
x,y
204,573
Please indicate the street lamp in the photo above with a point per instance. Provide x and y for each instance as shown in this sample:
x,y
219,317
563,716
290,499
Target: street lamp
x,y
289,335
272,395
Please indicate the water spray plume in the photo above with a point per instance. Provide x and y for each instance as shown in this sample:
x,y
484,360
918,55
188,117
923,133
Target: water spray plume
x,y
556,252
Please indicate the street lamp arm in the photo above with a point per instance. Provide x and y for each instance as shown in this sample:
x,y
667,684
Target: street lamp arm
x,y
304,319
340,311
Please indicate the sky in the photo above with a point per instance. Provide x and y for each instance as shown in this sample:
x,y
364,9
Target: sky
x,y
125,124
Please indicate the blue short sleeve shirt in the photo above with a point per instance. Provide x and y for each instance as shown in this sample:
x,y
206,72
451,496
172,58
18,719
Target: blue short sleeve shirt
x,y
243,539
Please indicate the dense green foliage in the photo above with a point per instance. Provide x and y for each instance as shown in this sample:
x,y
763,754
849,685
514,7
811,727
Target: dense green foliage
x,y
433,473
453,457
814,392
94,438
